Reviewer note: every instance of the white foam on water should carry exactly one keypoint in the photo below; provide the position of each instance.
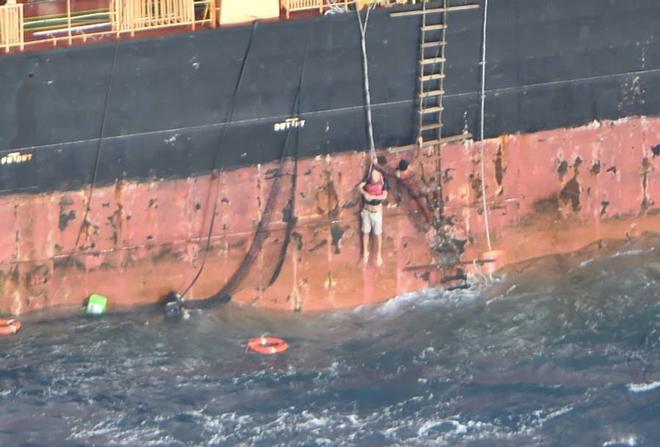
(630, 440)
(331, 426)
(586, 262)
(113, 434)
(310, 421)
(448, 431)
(429, 297)
(544, 417)
(426, 427)
(643, 387)
(428, 351)
(627, 253)
(405, 300)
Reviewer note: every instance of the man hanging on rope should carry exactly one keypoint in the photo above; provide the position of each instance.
(374, 191)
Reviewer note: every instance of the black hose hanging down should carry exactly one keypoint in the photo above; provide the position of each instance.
(215, 176)
(261, 234)
(291, 218)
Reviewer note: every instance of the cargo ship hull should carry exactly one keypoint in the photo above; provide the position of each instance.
(117, 156)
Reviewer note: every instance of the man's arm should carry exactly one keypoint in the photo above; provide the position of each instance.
(364, 193)
(381, 196)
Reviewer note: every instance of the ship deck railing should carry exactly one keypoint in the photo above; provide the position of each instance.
(44, 24)
(24, 25)
(11, 26)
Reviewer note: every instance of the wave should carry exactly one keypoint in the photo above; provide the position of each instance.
(627, 441)
(643, 387)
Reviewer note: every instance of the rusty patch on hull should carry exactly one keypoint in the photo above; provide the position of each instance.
(551, 192)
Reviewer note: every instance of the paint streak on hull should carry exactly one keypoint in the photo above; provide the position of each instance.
(548, 192)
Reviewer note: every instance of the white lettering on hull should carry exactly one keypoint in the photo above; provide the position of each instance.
(289, 123)
(15, 158)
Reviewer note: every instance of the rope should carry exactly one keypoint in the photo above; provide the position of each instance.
(97, 162)
(365, 65)
(228, 121)
(482, 125)
(292, 218)
(260, 234)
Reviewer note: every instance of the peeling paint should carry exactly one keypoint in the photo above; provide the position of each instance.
(570, 193)
(475, 185)
(298, 238)
(320, 244)
(327, 199)
(645, 172)
(603, 210)
(337, 233)
(65, 218)
(500, 170)
(562, 169)
(157, 249)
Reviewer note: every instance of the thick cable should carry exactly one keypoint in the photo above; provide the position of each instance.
(228, 121)
(260, 233)
(293, 219)
(225, 293)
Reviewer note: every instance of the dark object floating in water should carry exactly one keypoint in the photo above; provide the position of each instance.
(175, 307)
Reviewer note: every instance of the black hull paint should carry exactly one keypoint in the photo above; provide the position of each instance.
(551, 64)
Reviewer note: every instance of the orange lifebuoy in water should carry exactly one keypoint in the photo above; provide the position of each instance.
(268, 345)
(10, 327)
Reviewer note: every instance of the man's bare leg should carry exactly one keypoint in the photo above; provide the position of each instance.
(365, 247)
(379, 246)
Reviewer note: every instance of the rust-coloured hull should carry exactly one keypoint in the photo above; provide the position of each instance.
(549, 192)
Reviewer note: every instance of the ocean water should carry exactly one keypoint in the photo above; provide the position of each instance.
(564, 351)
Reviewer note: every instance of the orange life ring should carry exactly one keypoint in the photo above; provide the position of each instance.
(10, 327)
(268, 345)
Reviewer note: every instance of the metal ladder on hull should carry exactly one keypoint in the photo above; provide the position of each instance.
(432, 58)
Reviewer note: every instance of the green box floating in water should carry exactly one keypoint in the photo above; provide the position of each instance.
(97, 305)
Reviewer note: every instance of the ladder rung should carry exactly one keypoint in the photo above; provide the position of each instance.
(431, 93)
(433, 126)
(432, 77)
(435, 109)
(438, 43)
(430, 11)
(419, 12)
(445, 140)
(433, 27)
(432, 60)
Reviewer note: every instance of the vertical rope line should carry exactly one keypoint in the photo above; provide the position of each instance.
(482, 125)
(99, 148)
(365, 66)
(84, 223)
